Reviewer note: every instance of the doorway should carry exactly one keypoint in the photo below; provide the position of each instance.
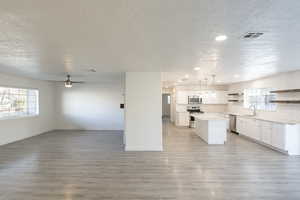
(166, 105)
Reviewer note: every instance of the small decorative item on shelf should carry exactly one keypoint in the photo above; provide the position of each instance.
(286, 101)
(286, 91)
(235, 100)
(235, 94)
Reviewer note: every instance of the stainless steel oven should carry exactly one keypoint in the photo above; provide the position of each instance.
(194, 100)
(232, 124)
(193, 110)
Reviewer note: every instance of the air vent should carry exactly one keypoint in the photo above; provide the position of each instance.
(92, 70)
(252, 35)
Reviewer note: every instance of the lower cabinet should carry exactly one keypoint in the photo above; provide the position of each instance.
(278, 136)
(254, 128)
(240, 125)
(285, 137)
(266, 132)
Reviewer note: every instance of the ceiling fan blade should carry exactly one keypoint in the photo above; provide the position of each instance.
(78, 82)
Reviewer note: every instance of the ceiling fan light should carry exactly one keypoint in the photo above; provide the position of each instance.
(68, 84)
(221, 38)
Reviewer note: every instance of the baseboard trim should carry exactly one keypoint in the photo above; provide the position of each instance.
(264, 144)
(88, 130)
(84, 130)
(26, 137)
(142, 148)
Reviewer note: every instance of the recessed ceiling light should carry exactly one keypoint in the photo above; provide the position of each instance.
(236, 76)
(196, 68)
(220, 38)
(186, 76)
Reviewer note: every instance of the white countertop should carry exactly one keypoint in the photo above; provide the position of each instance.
(282, 121)
(210, 116)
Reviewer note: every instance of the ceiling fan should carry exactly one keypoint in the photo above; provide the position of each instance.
(69, 83)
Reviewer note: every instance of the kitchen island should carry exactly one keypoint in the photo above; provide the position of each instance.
(211, 127)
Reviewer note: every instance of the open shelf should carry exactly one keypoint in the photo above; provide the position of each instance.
(235, 94)
(286, 91)
(286, 101)
(234, 100)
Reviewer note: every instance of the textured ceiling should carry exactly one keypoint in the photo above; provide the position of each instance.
(47, 39)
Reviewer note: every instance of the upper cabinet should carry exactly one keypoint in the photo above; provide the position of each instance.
(182, 97)
(222, 97)
(208, 97)
(214, 97)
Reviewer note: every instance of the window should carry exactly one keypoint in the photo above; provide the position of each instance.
(18, 102)
(169, 99)
(260, 98)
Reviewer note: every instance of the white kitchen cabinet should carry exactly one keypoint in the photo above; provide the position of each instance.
(208, 97)
(192, 93)
(255, 129)
(241, 126)
(221, 97)
(278, 136)
(246, 127)
(182, 118)
(212, 128)
(266, 132)
(285, 137)
(244, 130)
(214, 97)
(182, 97)
(249, 128)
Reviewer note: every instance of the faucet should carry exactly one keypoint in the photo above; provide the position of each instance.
(253, 107)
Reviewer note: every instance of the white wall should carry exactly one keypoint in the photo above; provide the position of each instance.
(290, 80)
(143, 111)
(90, 106)
(17, 129)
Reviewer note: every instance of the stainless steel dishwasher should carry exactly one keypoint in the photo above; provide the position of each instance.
(232, 123)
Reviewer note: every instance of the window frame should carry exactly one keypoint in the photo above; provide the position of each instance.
(23, 116)
(272, 107)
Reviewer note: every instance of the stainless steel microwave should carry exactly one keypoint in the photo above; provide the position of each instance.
(194, 100)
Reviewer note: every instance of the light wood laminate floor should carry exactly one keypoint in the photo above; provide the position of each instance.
(74, 165)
